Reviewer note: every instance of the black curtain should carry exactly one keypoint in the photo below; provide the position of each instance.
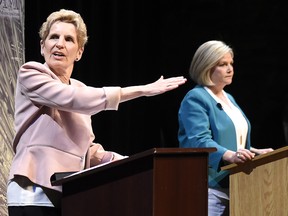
(133, 42)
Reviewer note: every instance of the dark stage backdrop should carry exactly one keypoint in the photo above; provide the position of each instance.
(134, 42)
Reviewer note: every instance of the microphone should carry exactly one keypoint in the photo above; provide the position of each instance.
(219, 106)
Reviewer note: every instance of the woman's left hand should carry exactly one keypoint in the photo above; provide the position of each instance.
(261, 151)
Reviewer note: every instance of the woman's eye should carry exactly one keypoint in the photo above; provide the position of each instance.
(69, 39)
(53, 37)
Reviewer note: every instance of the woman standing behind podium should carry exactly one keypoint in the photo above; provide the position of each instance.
(53, 117)
(210, 117)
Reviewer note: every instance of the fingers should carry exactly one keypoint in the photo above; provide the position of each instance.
(261, 151)
(267, 150)
(243, 155)
(172, 81)
(163, 85)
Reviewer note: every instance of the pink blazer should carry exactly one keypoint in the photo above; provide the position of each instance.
(53, 124)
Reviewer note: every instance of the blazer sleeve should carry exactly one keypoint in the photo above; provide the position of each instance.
(195, 119)
(43, 87)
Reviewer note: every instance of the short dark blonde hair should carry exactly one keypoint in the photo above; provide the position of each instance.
(205, 58)
(67, 16)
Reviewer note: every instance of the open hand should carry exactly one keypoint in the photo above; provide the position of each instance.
(163, 85)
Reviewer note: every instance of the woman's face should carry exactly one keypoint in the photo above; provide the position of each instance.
(222, 73)
(60, 49)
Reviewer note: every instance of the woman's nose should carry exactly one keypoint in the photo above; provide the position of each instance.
(230, 68)
(60, 43)
(59, 46)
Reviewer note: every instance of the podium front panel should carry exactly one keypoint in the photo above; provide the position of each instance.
(259, 187)
(157, 182)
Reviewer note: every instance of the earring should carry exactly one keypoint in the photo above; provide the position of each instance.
(76, 59)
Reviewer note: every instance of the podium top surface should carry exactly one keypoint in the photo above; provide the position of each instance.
(62, 177)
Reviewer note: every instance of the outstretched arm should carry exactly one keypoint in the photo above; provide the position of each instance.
(158, 87)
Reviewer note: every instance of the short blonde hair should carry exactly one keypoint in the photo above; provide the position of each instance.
(67, 16)
(205, 58)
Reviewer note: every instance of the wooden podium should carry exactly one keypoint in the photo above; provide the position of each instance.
(156, 182)
(260, 187)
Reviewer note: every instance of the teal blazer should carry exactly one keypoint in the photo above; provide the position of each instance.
(204, 124)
